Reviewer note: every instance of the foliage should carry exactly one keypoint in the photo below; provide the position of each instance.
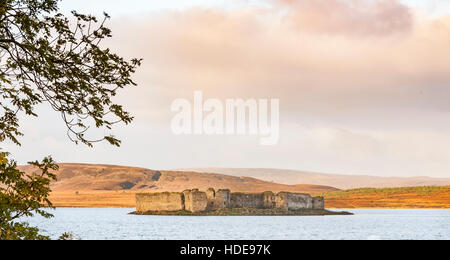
(66, 236)
(48, 58)
(22, 194)
(45, 59)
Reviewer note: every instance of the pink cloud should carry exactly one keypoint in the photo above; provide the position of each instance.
(352, 17)
(255, 52)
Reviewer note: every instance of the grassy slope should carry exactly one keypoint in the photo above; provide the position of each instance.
(410, 197)
(93, 199)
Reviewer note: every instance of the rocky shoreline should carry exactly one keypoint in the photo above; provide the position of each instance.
(247, 212)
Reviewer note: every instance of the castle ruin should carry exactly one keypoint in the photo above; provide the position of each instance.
(197, 201)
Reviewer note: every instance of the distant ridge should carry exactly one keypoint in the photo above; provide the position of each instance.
(292, 177)
(90, 177)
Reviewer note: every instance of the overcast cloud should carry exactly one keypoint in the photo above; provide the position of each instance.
(363, 87)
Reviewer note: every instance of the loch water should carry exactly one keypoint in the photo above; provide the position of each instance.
(366, 224)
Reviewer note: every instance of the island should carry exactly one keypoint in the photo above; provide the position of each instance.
(225, 203)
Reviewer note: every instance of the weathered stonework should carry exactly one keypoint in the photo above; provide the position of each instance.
(298, 201)
(195, 200)
(247, 200)
(269, 200)
(318, 203)
(166, 201)
(218, 200)
(281, 200)
(211, 196)
(211, 200)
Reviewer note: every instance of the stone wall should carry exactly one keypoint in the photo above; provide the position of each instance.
(294, 201)
(211, 196)
(318, 203)
(269, 200)
(280, 200)
(218, 200)
(166, 201)
(299, 201)
(247, 200)
(197, 201)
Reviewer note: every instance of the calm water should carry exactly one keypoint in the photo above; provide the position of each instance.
(366, 224)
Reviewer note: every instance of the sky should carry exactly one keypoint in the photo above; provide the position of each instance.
(362, 84)
(132, 7)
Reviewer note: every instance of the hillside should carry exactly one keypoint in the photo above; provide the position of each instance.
(108, 186)
(84, 185)
(85, 177)
(409, 197)
(343, 182)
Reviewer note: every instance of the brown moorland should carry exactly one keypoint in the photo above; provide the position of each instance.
(429, 197)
